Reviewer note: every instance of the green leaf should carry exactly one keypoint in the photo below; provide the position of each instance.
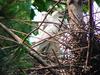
(40, 5)
(98, 2)
(85, 8)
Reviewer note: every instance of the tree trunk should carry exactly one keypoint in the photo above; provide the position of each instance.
(77, 27)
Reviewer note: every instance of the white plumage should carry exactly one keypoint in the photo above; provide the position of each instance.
(96, 11)
(46, 29)
(51, 29)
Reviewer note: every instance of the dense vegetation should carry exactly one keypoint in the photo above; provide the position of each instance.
(15, 19)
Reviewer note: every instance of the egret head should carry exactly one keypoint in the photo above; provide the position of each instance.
(56, 14)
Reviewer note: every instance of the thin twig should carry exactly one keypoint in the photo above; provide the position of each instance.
(23, 33)
(8, 39)
(54, 67)
(11, 33)
(3, 48)
(34, 54)
(42, 21)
